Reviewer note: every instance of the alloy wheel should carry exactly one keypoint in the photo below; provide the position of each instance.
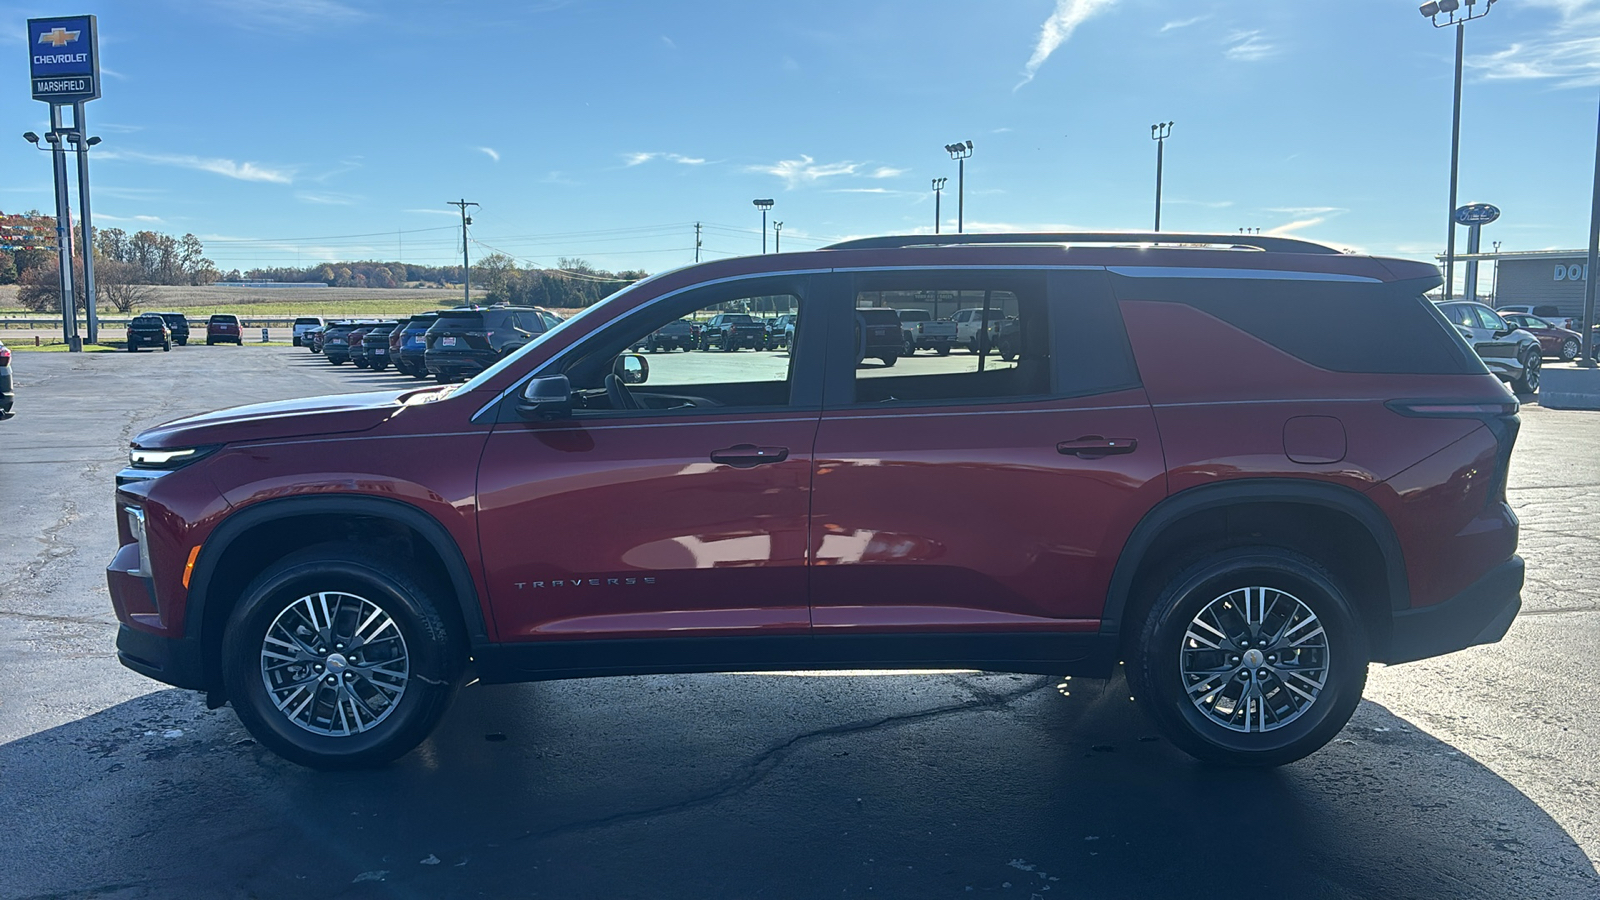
(1254, 659)
(334, 663)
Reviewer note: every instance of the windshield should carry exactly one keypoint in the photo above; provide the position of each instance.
(584, 315)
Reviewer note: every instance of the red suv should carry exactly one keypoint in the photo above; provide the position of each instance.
(1246, 537)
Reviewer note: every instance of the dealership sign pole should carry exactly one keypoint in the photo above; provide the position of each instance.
(1591, 272)
(64, 70)
(1474, 216)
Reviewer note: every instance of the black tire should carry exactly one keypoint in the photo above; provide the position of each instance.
(166, 347)
(183, 342)
(888, 360)
(1531, 366)
(132, 348)
(1159, 640)
(433, 653)
(943, 349)
(908, 347)
(1569, 350)
(650, 347)
(419, 374)
(209, 342)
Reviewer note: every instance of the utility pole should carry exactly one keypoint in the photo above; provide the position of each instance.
(466, 266)
(697, 242)
(1494, 286)
(777, 237)
(1159, 133)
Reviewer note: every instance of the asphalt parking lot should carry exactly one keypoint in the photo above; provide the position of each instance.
(1474, 775)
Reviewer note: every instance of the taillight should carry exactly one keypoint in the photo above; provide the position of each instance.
(1498, 414)
(5, 357)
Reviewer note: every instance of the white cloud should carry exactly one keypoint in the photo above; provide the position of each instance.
(805, 170)
(1567, 52)
(668, 41)
(634, 159)
(1183, 23)
(326, 198)
(999, 131)
(432, 212)
(243, 171)
(1057, 29)
(491, 153)
(1248, 46)
(290, 15)
(1307, 210)
(111, 218)
(1288, 229)
(887, 172)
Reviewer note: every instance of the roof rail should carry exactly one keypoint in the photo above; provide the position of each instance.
(1238, 241)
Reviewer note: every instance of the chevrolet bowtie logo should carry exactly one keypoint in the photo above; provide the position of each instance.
(59, 38)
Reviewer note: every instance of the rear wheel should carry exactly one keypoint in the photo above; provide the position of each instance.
(338, 657)
(944, 349)
(1251, 656)
(1529, 382)
(166, 346)
(908, 347)
(888, 360)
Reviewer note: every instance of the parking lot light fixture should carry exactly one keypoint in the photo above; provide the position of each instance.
(763, 205)
(938, 193)
(1159, 133)
(777, 237)
(1431, 11)
(960, 151)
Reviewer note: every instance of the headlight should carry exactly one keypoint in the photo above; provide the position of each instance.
(140, 458)
(137, 530)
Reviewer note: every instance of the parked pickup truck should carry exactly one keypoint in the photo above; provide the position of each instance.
(677, 335)
(968, 322)
(921, 331)
(731, 331)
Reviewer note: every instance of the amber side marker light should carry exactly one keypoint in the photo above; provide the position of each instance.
(188, 567)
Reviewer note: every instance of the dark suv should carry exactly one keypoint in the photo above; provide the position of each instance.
(223, 329)
(463, 342)
(178, 324)
(412, 345)
(1245, 538)
(336, 341)
(148, 330)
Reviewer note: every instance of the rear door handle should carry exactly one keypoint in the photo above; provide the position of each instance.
(748, 456)
(1093, 446)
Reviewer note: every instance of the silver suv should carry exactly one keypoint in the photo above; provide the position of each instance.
(1508, 351)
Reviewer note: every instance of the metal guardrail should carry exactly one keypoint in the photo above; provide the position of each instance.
(122, 321)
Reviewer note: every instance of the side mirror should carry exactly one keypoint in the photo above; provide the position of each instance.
(631, 368)
(1504, 332)
(549, 397)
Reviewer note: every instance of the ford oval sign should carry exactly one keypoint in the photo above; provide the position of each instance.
(1477, 214)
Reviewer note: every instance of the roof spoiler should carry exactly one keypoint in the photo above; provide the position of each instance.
(1165, 238)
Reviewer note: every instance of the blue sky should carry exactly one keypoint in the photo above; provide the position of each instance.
(302, 130)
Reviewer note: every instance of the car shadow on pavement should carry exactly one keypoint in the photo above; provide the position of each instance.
(804, 785)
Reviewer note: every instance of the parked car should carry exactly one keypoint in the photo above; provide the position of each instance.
(356, 344)
(464, 342)
(178, 324)
(676, 335)
(1512, 354)
(304, 324)
(1547, 311)
(335, 342)
(376, 345)
(970, 323)
(1244, 538)
(733, 331)
(311, 338)
(413, 346)
(921, 331)
(878, 335)
(1562, 343)
(779, 330)
(223, 329)
(148, 330)
(8, 394)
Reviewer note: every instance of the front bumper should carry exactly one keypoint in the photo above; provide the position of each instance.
(1481, 614)
(174, 661)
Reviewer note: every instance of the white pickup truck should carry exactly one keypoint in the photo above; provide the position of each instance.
(969, 322)
(921, 331)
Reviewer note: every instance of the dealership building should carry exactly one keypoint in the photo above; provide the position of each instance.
(1554, 277)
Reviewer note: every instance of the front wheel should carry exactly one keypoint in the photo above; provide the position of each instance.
(166, 347)
(1569, 350)
(338, 657)
(1251, 657)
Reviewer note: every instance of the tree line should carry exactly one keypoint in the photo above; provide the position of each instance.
(574, 284)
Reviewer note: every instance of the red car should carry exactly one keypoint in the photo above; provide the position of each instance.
(1246, 537)
(1554, 340)
(222, 329)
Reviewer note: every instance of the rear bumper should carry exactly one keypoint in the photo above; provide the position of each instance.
(1481, 614)
(469, 362)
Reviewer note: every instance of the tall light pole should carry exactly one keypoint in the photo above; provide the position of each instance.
(1431, 10)
(763, 205)
(960, 151)
(1159, 133)
(777, 237)
(1592, 270)
(466, 265)
(1494, 286)
(83, 143)
(58, 159)
(938, 192)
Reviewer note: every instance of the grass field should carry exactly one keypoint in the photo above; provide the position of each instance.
(326, 302)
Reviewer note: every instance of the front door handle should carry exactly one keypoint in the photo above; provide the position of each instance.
(1093, 446)
(748, 456)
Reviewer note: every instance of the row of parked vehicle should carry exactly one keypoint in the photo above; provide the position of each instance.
(160, 330)
(1514, 340)
(446, 344)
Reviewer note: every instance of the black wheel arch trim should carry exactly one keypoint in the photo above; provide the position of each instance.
(222, 537)
(1253, 490)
